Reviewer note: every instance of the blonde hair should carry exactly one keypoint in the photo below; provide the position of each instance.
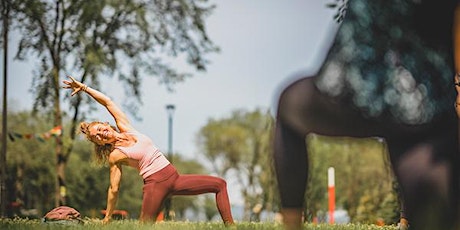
(102, 151)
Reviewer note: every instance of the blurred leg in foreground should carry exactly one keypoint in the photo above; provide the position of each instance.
(424, 157)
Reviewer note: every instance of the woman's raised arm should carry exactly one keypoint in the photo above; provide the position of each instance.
(120, 117)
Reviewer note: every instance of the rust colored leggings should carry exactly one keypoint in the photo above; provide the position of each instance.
(166, 182)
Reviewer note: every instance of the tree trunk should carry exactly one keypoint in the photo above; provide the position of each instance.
(3, 195)
(61, 159)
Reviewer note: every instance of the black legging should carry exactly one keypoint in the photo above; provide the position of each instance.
(424, 157)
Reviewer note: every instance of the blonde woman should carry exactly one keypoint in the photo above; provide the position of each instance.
(123, 145)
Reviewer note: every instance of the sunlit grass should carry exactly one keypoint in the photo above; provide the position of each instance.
(20, 224)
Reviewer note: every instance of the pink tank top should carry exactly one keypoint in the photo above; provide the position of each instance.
(150, 158)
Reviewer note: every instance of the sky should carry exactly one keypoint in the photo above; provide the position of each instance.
(264, 45)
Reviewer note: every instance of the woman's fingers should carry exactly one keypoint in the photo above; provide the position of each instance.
(72, 84)
(71, 80)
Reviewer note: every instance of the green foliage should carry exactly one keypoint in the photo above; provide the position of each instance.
(364, 180)
(122, 38)
(30, 163)
(210, 209)
(240, 144)
(118, 38)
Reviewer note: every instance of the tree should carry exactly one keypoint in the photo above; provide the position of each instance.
(5, 15)
(104, 38)
(240, 146)
(364, 180)
(30, 172)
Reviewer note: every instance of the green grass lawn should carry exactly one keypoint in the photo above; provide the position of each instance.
(24, 224)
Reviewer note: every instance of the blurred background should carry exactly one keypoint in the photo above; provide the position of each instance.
(200, 78)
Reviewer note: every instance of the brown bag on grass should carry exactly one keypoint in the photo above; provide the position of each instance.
(62, 214)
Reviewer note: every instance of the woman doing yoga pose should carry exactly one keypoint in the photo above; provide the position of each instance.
(127, 146)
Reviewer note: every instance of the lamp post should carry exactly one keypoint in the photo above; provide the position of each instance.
(170, 110)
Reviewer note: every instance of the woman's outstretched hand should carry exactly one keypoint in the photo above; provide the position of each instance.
(75, 85)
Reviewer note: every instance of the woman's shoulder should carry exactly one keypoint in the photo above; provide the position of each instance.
(137, 135)
(116, 156)
(132, 132)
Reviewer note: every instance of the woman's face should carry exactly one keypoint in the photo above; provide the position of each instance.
(101, 134)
